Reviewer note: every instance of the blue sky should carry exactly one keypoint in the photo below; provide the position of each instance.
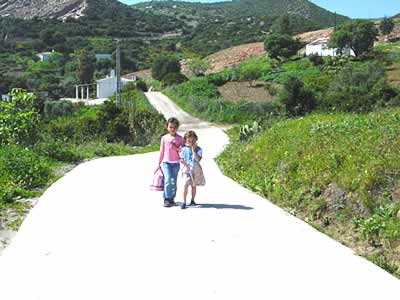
(351, 8)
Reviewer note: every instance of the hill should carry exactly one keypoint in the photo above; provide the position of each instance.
(91, 17)
(215, 26)
(41, 8)
(198, 12)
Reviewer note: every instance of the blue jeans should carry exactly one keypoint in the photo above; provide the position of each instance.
(170, 176)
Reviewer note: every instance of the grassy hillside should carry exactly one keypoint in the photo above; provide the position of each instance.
(340, 173)
(196, 12)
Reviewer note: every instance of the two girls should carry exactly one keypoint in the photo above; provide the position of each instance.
(173, 150)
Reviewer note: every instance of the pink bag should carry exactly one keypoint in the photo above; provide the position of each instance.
(158, 180)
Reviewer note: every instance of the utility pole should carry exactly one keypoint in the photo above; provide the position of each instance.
(335, 22)
(118, 71)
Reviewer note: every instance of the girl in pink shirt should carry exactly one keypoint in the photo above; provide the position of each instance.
(170, 146)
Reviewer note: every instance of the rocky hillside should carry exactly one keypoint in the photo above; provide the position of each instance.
(28, 9)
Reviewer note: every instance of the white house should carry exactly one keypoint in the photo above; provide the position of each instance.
(101, 56)
(44, 56)
(107, 87)
(320, 47)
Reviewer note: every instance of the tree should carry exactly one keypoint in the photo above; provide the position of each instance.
(386, 26)
(281, 45)
(164, 65)
(358, 35)
(86, 66)
(297, 99)
(48, 37)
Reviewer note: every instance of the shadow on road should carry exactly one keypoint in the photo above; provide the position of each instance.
(224, 206)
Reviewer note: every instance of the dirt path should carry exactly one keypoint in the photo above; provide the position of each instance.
(99, 233)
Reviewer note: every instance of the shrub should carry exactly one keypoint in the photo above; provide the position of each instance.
(117, 130)
(129, 86)
(358, 88)
(146, 127)
(297, 99)
(58, 150)
(18, 119)
(383, 223)
(141, 85)
(23, 167)
(53, 109)
(77, 128)
(316, 59)
(173, 78)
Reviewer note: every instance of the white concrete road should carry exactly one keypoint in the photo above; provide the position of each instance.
(100, 233)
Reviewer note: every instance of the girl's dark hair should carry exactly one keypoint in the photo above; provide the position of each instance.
(191, 134)
(173, 121)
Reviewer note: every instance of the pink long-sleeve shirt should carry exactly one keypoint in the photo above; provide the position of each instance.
(170, 147)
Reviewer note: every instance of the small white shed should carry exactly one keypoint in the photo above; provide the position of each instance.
(320, 47)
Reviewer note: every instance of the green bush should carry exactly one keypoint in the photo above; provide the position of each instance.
(18, 119)
(117, 129)
(146, 127)
(358, 88)
(383, 223)
(53, 109)
(130, 86)
(136, 124)
(316, 59)
(141, 85)
(77, 128)
(173, 78)
(297, 99)
(23, 167)
(58, 150)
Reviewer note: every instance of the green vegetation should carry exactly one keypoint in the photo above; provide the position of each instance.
(330, 170)
(297, 99)
(200, 97)
(34, 145)
(359, 88)
(281, 45)
(194, 12)
(211, 27)
(358, 35)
